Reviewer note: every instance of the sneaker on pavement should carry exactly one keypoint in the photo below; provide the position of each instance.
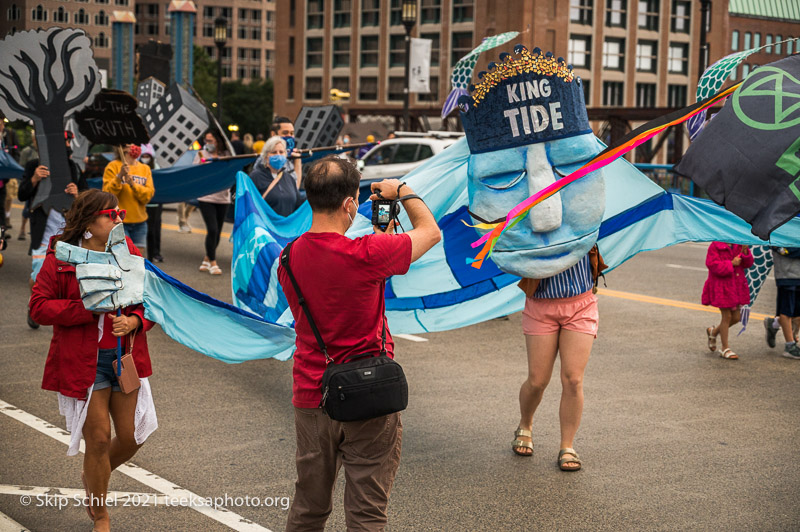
(792, 352)
(184, 228)
(771, 331)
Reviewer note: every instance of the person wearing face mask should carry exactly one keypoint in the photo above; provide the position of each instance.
(343, 280)
(284, 128)
(213, 206)
(45, 224)
(80, 362)
(273, 180)
(132, 183)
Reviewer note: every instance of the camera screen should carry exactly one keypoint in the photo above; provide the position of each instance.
(384, 214)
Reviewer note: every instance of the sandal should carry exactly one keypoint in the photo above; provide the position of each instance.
(517, 443)
(204, 266)
(563, 461)
(729, 354)
(88, 504)
(712, 340)
(215, 270)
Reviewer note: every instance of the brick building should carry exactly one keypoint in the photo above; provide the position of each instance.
(94, 17)
(637, 57)
(250, 50)
(249, 53)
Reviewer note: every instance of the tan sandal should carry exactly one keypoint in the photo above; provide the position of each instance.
(712, 340)
(563, 461)
(517, 443)
(729, 354)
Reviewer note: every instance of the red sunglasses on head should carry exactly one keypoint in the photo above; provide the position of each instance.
(114, 214)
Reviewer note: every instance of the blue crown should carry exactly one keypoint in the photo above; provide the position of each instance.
(533, 98)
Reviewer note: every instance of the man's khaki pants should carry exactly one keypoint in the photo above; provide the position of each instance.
(370, 452)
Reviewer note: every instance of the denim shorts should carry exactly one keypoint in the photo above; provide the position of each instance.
(106, 376)
(137, 233)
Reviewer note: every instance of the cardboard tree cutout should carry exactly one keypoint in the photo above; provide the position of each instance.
(46, 76)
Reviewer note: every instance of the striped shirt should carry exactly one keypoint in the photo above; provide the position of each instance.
(569, 283)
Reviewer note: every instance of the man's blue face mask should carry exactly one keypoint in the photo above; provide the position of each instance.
(557, 232)
(290, 144)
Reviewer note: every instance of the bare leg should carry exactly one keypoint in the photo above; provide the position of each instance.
(96, 466)
(722, 328)
(736, 317)
(123, 446)
(575, 349)
(541, 357)
(786, 327)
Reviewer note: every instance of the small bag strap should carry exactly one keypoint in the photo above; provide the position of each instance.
(302, 301)
(272, 185)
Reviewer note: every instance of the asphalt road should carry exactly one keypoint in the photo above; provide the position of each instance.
(673, 437)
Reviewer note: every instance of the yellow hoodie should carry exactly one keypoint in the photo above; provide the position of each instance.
(132, 198)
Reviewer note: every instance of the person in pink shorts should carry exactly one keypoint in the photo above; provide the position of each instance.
(560, 317)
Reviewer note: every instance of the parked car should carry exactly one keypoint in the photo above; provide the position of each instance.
(394, 158)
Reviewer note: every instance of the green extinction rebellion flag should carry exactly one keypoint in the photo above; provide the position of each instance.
(748, 157)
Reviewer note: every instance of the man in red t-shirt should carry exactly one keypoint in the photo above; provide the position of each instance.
(343, 281)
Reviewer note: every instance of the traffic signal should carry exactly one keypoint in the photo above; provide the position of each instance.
(337, 95)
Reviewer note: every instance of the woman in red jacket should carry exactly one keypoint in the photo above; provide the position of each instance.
(79, 364)
(726, 288)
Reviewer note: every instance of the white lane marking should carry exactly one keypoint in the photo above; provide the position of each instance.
(410, 337)
(681, 267)
(161, 485)
(9, 525)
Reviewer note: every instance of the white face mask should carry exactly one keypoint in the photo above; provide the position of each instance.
(352, 220)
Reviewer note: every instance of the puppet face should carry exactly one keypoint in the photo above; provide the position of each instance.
(558, 232)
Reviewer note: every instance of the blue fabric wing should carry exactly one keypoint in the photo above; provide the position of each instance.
(186, 182)
(9, 168)
(441, 291)
(209, 326)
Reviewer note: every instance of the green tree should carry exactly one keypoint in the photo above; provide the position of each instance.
(205, 76)
(248, 105)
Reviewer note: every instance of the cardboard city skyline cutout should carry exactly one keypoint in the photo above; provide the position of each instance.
(45, 76)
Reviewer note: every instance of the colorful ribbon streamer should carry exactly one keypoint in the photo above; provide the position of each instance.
(633, 139)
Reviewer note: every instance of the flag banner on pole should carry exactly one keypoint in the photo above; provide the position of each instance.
(419, 76)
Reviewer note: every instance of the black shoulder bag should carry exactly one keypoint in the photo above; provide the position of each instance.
(365, 386)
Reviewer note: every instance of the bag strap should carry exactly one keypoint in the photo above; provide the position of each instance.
(272, 185)
(302, 301)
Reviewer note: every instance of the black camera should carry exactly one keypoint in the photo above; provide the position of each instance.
(384, 211)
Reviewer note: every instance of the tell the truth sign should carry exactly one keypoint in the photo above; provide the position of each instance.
(112, 119)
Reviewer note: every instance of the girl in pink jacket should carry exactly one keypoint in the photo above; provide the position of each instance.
(726, 288)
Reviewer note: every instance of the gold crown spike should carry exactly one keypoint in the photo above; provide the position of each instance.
(528, 62)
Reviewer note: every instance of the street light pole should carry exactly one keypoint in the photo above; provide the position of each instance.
(220, 38)
(409, 17)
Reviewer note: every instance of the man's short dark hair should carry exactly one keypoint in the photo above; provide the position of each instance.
(329, 182)
(276, 124)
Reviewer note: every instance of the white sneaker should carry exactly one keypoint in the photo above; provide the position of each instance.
(184, 228)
